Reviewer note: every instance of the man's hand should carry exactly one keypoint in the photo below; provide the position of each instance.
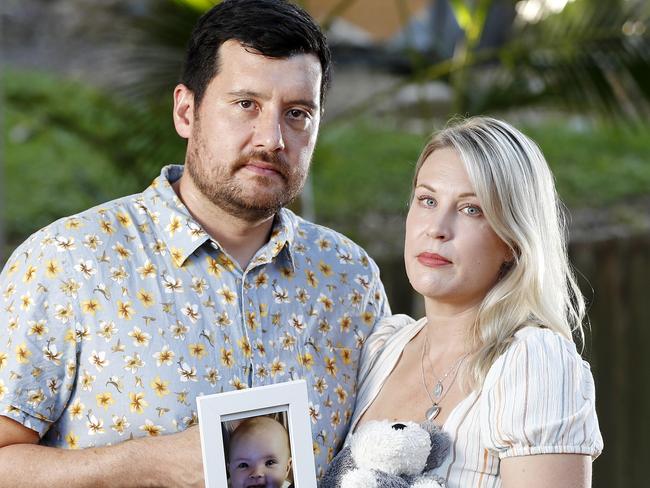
(169, 461)
(181, 455)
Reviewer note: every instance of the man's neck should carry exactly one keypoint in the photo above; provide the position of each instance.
(241, 239)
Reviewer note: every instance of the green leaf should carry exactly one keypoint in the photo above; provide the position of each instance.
(199, 5)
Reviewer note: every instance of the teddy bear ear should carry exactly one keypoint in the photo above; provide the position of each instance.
(440, 444)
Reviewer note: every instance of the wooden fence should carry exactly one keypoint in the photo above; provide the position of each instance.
(619, 352)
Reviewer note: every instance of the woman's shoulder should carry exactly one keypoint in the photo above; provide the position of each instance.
(541, 334)
(387, 340)
(534, 350)
(541, 353)
(389, 326)
(537, 343)
(387, 331)
(549, 343)
(539, 398)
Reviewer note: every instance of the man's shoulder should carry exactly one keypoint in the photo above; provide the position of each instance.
(85, 220)
(70, 233)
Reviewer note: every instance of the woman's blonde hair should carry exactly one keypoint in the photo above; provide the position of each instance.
(517, 193)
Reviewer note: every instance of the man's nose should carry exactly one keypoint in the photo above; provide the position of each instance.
(268, 131)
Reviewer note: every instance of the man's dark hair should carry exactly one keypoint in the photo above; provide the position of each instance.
(275, 28)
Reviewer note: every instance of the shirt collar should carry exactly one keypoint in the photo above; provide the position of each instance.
(175, 227)
(182, 235)
(282, 239)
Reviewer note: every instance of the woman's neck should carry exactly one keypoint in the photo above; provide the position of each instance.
(448, 328)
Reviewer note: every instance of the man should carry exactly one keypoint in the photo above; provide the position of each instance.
(114, 320)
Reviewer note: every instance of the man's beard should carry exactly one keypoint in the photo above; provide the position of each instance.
(218, 183)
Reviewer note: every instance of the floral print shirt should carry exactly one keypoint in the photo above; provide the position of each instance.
(114, 320)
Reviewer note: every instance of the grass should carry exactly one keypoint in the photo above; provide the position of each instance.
(596, 166)
(363, 167)
(68, 147)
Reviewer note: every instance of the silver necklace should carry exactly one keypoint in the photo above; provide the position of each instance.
(439, 391)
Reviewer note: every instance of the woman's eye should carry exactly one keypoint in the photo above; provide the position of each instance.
(472, 210)
(427, 201)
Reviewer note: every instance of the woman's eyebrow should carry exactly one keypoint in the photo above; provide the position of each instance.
(428, 187)
(433, 190)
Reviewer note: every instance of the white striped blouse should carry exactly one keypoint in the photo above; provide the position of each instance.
(538, 398)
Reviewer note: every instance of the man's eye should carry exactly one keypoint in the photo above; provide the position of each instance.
(246, 104)
(297, 114)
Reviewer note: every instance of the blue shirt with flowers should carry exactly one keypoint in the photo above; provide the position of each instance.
(114, 320)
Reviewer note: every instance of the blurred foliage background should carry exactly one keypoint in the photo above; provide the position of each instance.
(86, 117)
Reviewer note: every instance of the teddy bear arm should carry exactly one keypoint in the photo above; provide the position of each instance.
(341, 464)
(359, 478)
(426, 480)
(426, 483)
(386, 480)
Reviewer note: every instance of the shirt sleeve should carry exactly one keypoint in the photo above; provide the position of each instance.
(378, 300)
(37, 334)
(539, 398)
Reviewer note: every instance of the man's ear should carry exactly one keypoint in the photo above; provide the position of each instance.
(183, 111)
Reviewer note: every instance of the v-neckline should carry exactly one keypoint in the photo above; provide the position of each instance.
(444, 427)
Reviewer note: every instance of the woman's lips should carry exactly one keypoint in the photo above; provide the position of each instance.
(432, 260)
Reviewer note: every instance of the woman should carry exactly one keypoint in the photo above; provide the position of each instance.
(493, 361)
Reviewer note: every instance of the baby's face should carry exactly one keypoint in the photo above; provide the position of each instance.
(259, 459)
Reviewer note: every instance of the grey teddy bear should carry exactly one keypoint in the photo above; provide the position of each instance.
(384, 454)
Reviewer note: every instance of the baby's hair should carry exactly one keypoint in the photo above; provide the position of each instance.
(251, 423)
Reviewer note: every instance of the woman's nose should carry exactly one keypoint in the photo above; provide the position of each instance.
(440, 227)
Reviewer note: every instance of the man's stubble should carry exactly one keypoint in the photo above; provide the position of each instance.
(218, 181)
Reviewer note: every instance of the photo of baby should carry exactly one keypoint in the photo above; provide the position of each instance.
(258, 437)
(259, 453)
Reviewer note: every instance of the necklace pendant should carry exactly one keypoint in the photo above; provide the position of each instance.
(437, 390)
(433, 412)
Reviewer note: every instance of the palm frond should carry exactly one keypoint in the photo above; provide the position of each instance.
(153, 47)
(593, 57)
(586, 58)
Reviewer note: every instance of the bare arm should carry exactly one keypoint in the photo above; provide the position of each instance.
(168, 461)
(544, 470)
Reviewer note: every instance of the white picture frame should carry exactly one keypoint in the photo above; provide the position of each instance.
(290, 397)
